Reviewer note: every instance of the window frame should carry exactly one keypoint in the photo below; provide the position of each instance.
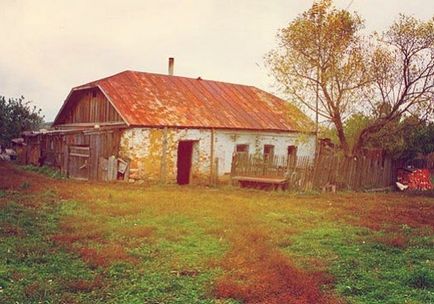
(270, 154)
(246, 146)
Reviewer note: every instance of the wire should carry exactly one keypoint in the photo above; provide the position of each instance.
(348, 6)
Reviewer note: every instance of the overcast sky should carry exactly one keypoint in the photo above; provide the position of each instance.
(48, 47)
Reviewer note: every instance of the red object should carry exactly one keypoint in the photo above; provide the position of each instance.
(418, 179)
(151, 100)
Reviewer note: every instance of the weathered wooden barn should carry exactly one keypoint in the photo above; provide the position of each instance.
(144, 126)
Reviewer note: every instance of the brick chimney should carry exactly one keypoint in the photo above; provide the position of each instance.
(171, 65)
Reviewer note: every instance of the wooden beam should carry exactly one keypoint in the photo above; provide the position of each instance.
(211, 162)
(261, 179)
(92, 124)
(163, 165)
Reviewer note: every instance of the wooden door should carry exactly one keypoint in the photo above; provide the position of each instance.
(78, 162)
(185, 154)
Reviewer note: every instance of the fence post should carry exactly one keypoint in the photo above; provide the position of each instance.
(216, 171)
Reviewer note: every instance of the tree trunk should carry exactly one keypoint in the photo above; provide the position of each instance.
(341, 135)
(364, 135)
(360, 141)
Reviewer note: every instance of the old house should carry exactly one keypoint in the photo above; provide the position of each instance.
(169, 128)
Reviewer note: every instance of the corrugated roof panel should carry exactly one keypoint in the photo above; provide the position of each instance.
(146, 99)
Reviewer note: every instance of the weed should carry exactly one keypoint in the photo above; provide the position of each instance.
(35, 292)
(135, 232)
(74, 229)
(8, 229)
(84, 285)
(45, 170)
(105, 255)
(393, 240)
(421, 279)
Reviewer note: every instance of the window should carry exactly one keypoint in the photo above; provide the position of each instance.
(292, 150)
(94, 93)
(268, 151)
(242, 149)
(292, 156)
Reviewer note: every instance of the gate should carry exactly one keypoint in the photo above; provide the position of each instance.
(78, 162)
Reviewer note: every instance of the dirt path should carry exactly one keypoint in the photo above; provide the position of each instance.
(12, 178)
(255, 271)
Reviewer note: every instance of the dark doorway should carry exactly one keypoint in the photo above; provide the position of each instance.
(292, 156)
(185, 153)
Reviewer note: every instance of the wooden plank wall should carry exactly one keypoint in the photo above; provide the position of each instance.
(88, 106)
(54, 148)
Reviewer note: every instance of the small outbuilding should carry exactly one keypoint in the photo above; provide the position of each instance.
(145, 126)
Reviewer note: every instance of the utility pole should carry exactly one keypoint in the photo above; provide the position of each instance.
(316, 110)
(317, 82)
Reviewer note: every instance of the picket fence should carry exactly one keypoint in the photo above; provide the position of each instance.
(304, 173)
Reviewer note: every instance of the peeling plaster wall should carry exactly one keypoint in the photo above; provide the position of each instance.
(226, 142)
(144, 148)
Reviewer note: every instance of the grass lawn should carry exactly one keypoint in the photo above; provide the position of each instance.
(65, 241)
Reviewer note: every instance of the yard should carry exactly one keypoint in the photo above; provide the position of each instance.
(64, 241)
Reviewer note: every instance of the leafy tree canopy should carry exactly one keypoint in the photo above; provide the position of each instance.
(17, 115)
(324, 63)
(401, 139)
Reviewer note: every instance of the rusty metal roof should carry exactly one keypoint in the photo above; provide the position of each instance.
(147, 99)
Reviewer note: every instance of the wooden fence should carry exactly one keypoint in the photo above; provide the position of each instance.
(304, 173)
(356, 173)
(249, 165)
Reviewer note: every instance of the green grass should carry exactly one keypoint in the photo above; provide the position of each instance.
(45, 170)
(176, 241)
(367, 271)
(32, 269)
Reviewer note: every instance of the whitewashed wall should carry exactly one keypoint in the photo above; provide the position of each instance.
(226, 142)
(143, 146)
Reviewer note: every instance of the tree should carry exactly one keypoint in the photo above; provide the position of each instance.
(352, 127)
(320, 58)
(393, 137)
(400, 139)
(17, 115)
(402, 69)
(422, 139)
(323, 56)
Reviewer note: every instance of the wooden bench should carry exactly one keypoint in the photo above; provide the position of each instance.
(261, 182)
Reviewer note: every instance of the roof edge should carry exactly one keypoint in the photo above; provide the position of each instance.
(82, 88)
(221, 128)
(113, 105)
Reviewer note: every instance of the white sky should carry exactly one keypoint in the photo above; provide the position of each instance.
(48, 47)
